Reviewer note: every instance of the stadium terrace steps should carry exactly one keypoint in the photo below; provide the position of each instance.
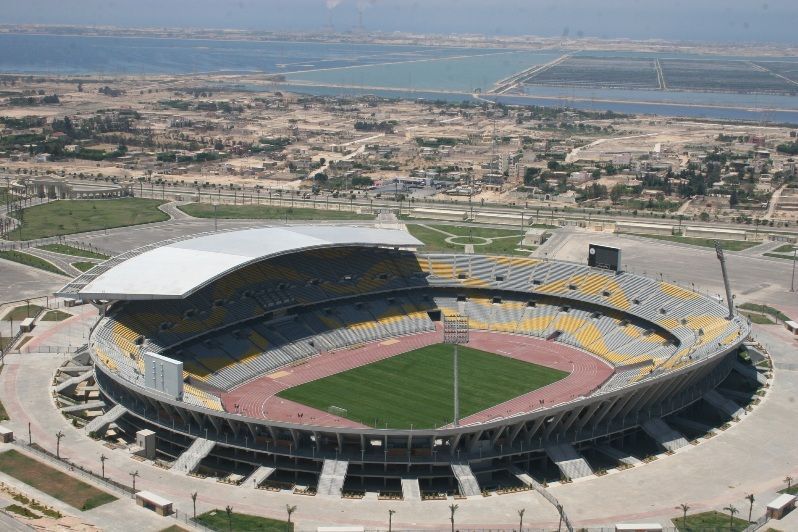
(75, 369)
(331, 479)
(749, 372)
(100, 423)
(191, 457)
(727, 406)
(469, 487)
(69, 385)
(258, 476)
(664, 435)
(618, 454)
(410, 489)
(568, 460)
(91, 405)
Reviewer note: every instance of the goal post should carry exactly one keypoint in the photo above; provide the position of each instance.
(337, 410)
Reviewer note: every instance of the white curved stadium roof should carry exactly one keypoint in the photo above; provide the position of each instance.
(177, 270)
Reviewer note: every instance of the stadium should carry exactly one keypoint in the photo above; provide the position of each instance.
(323, 357)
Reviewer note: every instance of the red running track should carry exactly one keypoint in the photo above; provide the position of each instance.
(258, 399)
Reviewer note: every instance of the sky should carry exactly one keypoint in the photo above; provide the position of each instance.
(773, 21)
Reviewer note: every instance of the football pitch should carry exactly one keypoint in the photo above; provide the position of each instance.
(415, 388)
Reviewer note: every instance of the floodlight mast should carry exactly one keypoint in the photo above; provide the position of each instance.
(455, 331)
(722, 259)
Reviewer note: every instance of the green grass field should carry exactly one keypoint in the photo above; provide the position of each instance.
(504, 242)
(765, 309)
(66, 217)
(706, 521)
(84, 266)
(52, 481)
(64, 249)
(265, 212)
(21, 312)
(728, 245)
(415, 388)
(30, 260)
(218, 520)
(56, 315)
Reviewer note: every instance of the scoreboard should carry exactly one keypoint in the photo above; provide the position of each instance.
(605, 257)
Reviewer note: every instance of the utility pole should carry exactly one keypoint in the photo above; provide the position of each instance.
(722, 259)
(792, 283)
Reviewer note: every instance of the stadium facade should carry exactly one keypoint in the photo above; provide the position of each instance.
(236, 306)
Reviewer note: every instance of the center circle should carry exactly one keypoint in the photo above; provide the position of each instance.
(463, 240)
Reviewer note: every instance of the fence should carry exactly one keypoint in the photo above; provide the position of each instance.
(756, 525)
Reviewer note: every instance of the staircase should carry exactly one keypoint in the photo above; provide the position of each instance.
(100, 423)
(258, 476)
(617, 454)
(727, 406)
(568, 460)
(331, 480)
(191, 457)
(469, 487)
(664, 435)
(410, 489)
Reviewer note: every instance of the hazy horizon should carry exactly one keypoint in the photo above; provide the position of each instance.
(728, 21)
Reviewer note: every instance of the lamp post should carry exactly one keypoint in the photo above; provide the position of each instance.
(455, 331)
(792, 282)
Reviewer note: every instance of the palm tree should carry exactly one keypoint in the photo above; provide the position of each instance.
(751, 500)
(133, 475)
(390, 518)
(103, 458)
(788, 480)
(521, 516)
(229, 510)
(732, 510)
(684, 508)
(194, 500)
(289, 510)
(453, 508)
(58, 436)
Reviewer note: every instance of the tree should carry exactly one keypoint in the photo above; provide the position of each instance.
(553, 165)
(751, 500)
(133, 475)
(453, 508)
(521, 516)
(684, 508)
(58, 436)
(704, 216)
(732, 510)
(290, 510)
(103, 458)
(788, 480)
(194, 501)
(733, 199)
(390, 518)
(229, 511)
(616, 193)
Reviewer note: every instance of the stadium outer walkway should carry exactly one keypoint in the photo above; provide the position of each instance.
(586, 372)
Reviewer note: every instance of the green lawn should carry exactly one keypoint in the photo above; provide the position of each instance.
(505, 243)
(779, 256)
(792, 490)
(21, 312)
(56, 315)
(66, 217)
(710, 521)
(415, 388)
(52, 481)
(757, 318)
(786, 248)
(205, 210)
(728, 245)
(84, 266)
(30, 260)
(217, 520)
(71, 250)
(776, 313)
